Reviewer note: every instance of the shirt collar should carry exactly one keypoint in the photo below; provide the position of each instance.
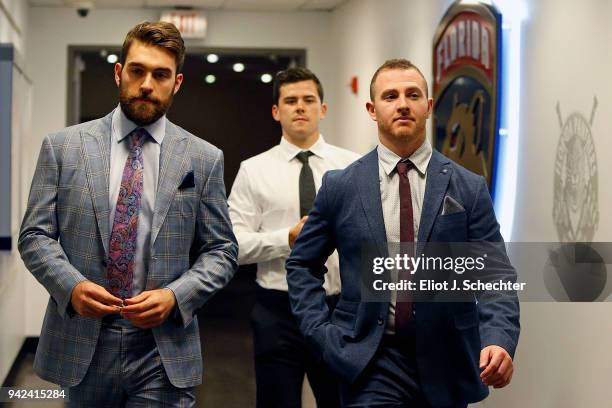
(289, 150)
(122, 127)
(420, 158)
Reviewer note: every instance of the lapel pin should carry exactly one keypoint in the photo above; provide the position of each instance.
(444, 171)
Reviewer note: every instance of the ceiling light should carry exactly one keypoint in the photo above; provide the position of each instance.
(210, 79)
(212, 58)
(112, 58)
(238, 67)
(266, 78)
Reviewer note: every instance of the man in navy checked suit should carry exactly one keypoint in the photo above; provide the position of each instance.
(120, 326)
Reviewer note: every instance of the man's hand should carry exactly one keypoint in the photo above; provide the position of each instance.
(295, 231)
(497, 366)
(91, 300)
(150, 308)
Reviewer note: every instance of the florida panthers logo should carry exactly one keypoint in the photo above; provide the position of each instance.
(466, 83)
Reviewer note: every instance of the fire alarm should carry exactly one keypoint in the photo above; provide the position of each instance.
(354, 85)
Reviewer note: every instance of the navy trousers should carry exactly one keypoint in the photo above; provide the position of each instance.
(391, 380)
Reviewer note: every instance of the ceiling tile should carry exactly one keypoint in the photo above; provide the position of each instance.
(46, 3)
(252, 5)
(209, 4)
(263, 5)
(119, 3)
(322, 4)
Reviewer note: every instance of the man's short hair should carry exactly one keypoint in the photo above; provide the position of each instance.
(293, 75)
(397, 63)
(159, 34)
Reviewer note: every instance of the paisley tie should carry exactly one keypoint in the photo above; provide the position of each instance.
(120, 272)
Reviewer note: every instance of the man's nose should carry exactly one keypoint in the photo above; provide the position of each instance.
(402, 104)
(147, 83)
(300, 106)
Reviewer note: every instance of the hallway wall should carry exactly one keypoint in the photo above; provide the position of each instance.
(365, 34)
(12, 272)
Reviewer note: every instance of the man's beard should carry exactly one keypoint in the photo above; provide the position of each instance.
(140, 112)
(398, 133)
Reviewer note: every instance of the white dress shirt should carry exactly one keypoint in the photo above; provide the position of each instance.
(265, 203)
(389, 195)
(121, 128)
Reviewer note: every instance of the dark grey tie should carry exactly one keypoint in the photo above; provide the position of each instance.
(307, 185)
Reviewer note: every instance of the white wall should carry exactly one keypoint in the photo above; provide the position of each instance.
(365, 34)
(564, 358)
(18, 11)
(12, 271)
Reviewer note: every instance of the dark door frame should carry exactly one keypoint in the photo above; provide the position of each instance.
(299, 54)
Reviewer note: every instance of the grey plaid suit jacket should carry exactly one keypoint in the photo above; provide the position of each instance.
(64, 240)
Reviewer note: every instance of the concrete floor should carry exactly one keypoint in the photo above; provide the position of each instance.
(229, 379)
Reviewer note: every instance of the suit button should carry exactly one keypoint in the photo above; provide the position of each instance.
(380, 321)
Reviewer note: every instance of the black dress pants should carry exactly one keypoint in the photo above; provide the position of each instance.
(282, 357)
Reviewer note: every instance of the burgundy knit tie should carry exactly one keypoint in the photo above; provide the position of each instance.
(403, 306)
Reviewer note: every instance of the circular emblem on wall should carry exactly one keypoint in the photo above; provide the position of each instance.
(575, 207)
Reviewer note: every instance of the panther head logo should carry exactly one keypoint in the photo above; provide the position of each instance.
(464, 140)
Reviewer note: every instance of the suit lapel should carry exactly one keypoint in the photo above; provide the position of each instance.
(172, 165)
(438, 175)
(369, 192)
(96, 154)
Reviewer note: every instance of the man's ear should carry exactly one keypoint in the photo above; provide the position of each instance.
(177, 82)
(323, 110)
(429, 107)
(275, 113)
(118, 69)
(371, 110)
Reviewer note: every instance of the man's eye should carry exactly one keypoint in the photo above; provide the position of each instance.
(161, 75)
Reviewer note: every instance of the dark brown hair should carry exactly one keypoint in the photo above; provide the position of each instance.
(159, 34)
(398, 63)
(292, 75)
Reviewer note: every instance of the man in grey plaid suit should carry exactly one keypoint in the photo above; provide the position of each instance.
(128, 230)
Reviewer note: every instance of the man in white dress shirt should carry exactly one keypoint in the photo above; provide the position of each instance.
(269, 203)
